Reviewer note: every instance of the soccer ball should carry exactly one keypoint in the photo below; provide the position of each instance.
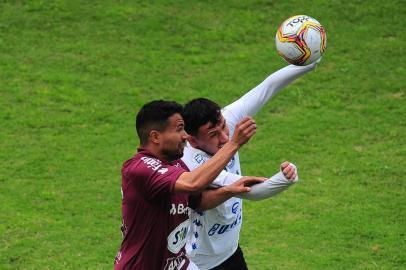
(301, 40)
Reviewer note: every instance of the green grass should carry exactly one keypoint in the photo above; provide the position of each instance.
(73, 74)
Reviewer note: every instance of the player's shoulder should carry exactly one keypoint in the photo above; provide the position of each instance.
(194, 157)
(147, 166)
(179, 163)
(141, 165)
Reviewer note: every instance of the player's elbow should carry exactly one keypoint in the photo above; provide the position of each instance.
(188, 185)
(193, 187)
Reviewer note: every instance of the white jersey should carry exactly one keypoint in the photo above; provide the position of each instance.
(214, 234)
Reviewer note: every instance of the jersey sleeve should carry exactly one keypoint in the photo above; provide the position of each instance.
(271, 187)
(224, 179)
(256, 98)
(162, 181)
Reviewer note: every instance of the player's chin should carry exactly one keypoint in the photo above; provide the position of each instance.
(181, 148)
(178, 154)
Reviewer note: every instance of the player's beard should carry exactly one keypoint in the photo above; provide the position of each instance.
(173, 154)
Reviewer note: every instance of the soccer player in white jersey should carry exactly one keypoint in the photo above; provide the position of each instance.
(214, 234)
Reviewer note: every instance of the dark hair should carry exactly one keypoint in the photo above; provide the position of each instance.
(199, 112)
(154, 115)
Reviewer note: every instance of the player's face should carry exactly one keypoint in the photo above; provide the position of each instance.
(210, 138)
(173, 138)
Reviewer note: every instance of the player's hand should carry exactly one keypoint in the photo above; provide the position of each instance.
(289, 170)
(243, 184)
(244, 130)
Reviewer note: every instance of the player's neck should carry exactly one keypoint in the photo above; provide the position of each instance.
(154, 151)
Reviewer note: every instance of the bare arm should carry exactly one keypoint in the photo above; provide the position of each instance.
(200, 178)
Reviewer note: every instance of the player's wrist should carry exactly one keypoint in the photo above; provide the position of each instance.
(232, 145)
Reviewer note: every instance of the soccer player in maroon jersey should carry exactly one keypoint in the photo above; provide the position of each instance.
(158, 190)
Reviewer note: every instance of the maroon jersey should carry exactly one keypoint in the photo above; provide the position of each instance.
(155, 219)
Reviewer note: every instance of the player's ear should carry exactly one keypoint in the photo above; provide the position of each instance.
(193, 141)
(155, 136)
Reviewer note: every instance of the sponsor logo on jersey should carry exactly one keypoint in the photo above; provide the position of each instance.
(218, 229)
(177, 238)
(234, 208)
(200, 158)
(179, 209)
(177, 165)
(231, 163)
(175, 263)
(152, 163)
(162, 170)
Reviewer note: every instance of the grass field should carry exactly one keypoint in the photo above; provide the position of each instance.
(73, 74)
